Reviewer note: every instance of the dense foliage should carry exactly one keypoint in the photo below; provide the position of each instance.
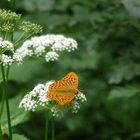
(107, 62)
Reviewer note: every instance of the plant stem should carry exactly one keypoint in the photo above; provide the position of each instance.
(6, 99)
(13, 4)
(5, 72)
(0, 133)
(52, 118)
(53, 128)
(2, 103)
(8, 116)
(47, 124)
(22, 39)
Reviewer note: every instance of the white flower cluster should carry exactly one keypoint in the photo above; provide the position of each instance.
(75, 105)
(6, 60)
(38, 97)
(56, 111)
(6, 45)
(47, 46)
(51, 56)
(80, 96)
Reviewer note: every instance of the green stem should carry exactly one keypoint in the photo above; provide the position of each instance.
(2, 103)
(8, 117)
(53, 128)
(47, 124)
(6, 99)
(22, 39)
(0, 133)
(3, 93)
(19, 39)
(5, 35)
(52, 118)
(13, 4)
(7, 72)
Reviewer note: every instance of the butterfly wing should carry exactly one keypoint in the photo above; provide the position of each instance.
(61, 97)
(69, 82)
(63, 91)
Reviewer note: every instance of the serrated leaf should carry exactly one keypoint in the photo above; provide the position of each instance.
(19, 137)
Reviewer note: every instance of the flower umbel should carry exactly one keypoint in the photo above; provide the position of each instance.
(47, 46)
(6, 45)
(51, 56)
(9, 15)
(38, 97)
(27, 27)
(8, 20)
(6, 60)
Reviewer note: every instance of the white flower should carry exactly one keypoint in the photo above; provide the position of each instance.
(21, 53)
(51, 56)
(80, 96)
(36, 97)
(6, 60)
(27, 44)
(70, 44)
(39, 50)
(58, 46)
(56, 112)
(75, 107)
(17, 57)
(45, 44)
(7, 45)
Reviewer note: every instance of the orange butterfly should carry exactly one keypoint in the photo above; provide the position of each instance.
(64, 90)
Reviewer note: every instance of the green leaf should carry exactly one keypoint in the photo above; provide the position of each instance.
(73, 124)
(122, 72)
(19, 137)
(17, 115)
(40, 5)
(24, 72)
(133, 6)
(124, 92)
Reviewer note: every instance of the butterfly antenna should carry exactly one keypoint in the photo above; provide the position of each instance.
(79, 91)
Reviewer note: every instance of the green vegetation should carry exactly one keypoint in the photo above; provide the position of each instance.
(107, 62)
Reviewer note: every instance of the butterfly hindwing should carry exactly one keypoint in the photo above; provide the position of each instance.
(62, 98)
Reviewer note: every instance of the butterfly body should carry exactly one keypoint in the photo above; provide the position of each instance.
(64, 90)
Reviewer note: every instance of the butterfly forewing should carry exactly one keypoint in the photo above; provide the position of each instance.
(70, 81)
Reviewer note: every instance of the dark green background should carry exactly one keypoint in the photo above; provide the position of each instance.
(107, 62)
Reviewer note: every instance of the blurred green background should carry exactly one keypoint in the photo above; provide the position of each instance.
(107, 62)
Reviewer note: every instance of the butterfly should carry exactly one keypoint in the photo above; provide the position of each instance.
(64, 90)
